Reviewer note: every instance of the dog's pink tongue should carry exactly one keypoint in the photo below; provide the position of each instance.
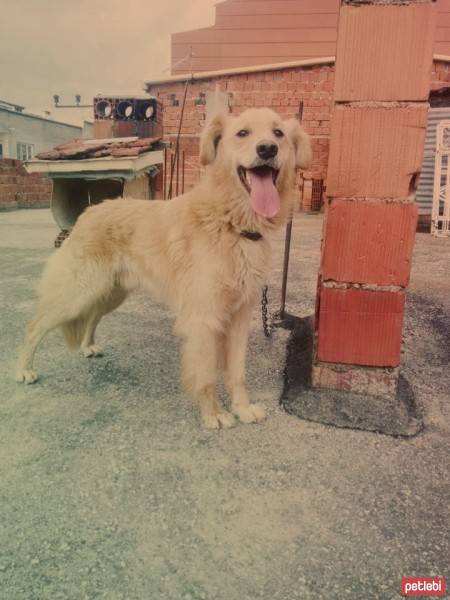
(264, 195)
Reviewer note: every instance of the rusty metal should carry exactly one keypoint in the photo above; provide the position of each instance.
(264, 314)
(183, 164)
(177, 143)
(177, 160)
(165, 175)
(171, 160)
(287, 250)
(174, 169)
(62, 235)
(316, 195)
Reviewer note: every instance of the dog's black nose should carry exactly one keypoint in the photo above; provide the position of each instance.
(266, 150)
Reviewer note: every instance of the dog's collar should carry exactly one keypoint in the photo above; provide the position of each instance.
(251, 235)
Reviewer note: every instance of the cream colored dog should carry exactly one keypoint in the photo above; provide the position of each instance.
(205, 254)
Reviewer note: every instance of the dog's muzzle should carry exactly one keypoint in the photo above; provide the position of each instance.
(260, 182)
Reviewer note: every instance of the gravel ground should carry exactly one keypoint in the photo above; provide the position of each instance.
(109, 488)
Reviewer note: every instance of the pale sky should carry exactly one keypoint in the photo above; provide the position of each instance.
(88, 47)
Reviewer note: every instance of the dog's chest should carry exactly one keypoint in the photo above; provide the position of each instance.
(249, 267)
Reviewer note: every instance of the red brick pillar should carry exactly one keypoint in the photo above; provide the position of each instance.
(382, 83)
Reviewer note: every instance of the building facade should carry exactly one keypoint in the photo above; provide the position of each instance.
(257, 32)
(24, 134)
(303, 90)
(275, 53)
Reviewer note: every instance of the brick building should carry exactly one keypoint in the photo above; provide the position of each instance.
(276, 53)
(19, 189)
(23, 135)
(257, 32)
(303, 89)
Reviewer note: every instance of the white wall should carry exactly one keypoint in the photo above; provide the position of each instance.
(44, 134)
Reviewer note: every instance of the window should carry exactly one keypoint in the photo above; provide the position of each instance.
(25, 151)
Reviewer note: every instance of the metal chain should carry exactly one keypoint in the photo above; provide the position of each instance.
(62, 235)
(264, 316)
(267, 319)
(269, 322)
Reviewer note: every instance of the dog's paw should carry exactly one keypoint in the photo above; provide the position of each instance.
(253, 413)
(26, 376)
(222, 420)
(92, 350)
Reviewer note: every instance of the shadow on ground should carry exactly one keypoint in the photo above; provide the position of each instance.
(399, 415)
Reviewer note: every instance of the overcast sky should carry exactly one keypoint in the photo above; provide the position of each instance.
(67, 47)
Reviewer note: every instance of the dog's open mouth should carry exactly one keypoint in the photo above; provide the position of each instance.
(260, 184)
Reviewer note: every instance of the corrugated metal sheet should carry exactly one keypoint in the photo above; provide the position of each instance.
(424, 196)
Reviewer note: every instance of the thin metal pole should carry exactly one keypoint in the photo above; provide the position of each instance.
(178, 172)
(165, 175)
(183, 157)
(177, 143)
(287, 250)
(172, 168)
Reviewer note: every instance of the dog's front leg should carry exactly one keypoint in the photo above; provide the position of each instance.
(200, 368)
(236, 350)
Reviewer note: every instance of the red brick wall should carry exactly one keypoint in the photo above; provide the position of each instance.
(282, 90)
(19, 189)
(440, 76)
(377, 141)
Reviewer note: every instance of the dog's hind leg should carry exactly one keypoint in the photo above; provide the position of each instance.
(88, 346)
(235, 351)
(200, 367)
(44, 321)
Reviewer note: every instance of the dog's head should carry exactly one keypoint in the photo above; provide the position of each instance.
(259, 151)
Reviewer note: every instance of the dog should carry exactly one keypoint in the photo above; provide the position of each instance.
(204, 253)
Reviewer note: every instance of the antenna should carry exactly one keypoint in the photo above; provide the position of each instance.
(190, 55)
(56, 99)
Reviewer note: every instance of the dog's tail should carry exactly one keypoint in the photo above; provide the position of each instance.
(73, 332)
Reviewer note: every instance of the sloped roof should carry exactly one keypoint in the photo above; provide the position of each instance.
(80, 149)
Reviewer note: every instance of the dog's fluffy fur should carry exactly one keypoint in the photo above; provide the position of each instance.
(188, 252)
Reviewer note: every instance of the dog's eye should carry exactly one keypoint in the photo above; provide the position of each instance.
(243, 133)
(278, 133)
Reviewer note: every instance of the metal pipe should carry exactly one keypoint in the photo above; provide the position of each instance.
(73, 106)
(183, 157)
(172, 168)
(177, 144)
(165, 175)
(178, 172)
(287, 249)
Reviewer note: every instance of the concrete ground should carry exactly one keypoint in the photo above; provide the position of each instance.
(110, 489)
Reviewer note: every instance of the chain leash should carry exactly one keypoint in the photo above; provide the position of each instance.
(267, 327)
(269, 320)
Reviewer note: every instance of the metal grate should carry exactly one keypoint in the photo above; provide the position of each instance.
(317, 195)
(440, 215)
(424, 194)
(173, 173)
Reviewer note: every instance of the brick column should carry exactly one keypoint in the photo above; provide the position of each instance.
(382, 82)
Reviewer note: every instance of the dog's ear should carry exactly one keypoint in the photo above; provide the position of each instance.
(301, 142)
(210, 139)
